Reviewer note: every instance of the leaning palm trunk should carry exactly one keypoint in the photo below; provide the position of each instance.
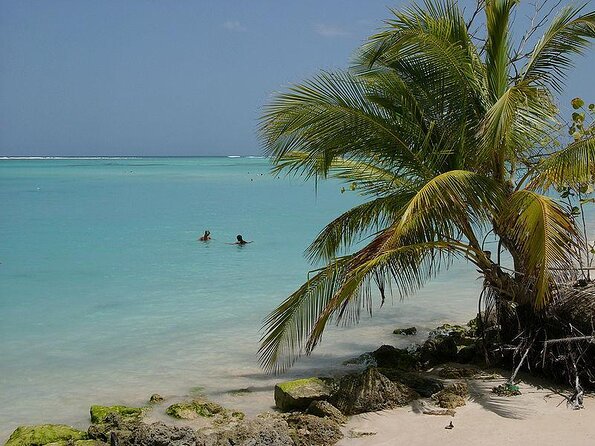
(451, 143)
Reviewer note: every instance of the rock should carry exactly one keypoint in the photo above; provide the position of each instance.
(298, 394)
(368, 392)
(452, 396)
(190, 410)
(310, 430)
(388, 356)
(324, 409)
(450, 372)
(261, 431)
(467, 354)
(449, 400)
(156, 398)
(98, 413)
(113, 427)
(424, 385)
(405, 331)
(365, 359)
(43, 434)
(439, 349)
(159, 434)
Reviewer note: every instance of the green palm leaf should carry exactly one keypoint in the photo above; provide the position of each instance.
(547, 240)
(571, 166)
(569, 34)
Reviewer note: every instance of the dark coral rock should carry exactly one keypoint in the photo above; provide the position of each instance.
(324, 409)
(424, 385)
(310, 430)
(368, 392)
(388, 356)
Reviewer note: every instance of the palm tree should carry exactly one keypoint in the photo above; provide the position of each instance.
(449, 136)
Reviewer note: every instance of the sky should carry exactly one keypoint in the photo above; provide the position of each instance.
(171, 77)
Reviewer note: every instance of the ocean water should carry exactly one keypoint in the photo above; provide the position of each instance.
(106, 296)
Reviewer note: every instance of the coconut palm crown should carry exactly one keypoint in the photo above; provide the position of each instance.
(449, 137)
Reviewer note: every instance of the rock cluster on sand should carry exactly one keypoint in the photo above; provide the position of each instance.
(313, 409)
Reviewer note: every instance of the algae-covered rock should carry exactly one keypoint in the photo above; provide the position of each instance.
(190, 410)
(324, 409)
(424, 385)
(298, 394)
(310, 430)
(43, 434)
(410, 331)
(453, 396)
(369, 391)
(388, 356)
(98, 413)
(113, 427)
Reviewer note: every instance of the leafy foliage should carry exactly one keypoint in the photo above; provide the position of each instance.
(449, 140)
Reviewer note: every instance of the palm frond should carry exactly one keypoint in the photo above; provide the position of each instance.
(342, 289)
(370, 175)
(331, 116)
(546, 239)
(365, 219)
(498, 46)
(569, 34)
(571, 166)
(446, 205)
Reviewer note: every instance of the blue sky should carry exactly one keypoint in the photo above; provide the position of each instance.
(169, 77)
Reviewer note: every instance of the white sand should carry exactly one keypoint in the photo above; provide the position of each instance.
(538, 417)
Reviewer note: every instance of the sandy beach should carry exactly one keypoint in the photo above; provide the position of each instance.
(538, 416)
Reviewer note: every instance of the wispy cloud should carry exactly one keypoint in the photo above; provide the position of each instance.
(235, 26)
(327, 30)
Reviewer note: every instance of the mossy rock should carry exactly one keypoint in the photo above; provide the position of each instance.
(98, 413)
(190, 410)
(43, 434)
(298, 394)
(453, 396)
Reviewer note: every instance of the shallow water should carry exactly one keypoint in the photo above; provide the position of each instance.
(106, 296)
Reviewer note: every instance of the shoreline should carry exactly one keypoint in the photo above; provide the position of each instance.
(502, 420)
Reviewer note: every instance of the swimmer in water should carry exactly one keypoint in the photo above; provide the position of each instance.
(206, 236)
(240, 241)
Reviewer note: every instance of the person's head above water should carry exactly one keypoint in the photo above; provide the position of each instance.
(239, 238)
(207, 233)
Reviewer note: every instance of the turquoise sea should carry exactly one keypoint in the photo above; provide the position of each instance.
(106, 296)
